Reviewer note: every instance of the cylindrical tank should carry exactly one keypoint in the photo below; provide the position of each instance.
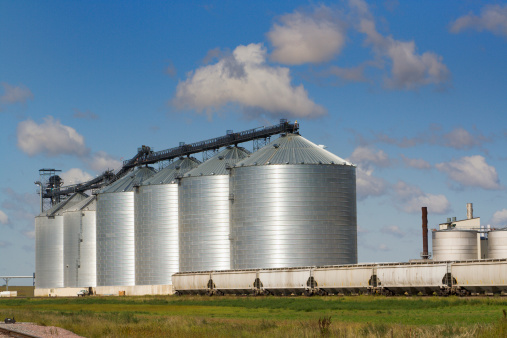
(156, 224)
(497, 244)
(49, 244)
(79, 244)
(454, 245)
(293, 203)
(204, 213)
(115, 230)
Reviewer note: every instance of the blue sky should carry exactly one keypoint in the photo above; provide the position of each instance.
(413, 92)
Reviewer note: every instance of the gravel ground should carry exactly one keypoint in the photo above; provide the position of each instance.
(39, 331)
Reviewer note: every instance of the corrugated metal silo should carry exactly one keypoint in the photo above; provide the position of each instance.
(156, 224)
(49, 244)
(79, 244)
(497, 244)
(115, 230)
(293, 204)
(204, 213)
(454, 245)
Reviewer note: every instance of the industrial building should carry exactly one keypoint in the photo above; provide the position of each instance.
(288, 204)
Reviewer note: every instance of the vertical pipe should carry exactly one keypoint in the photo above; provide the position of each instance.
(470, 211)
(425, 232)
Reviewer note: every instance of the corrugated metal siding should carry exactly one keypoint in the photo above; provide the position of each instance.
(293, 215)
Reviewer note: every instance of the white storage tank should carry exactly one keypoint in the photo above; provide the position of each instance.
(454, 245)
(293, 204)
(204, 213)
(49, 244)
(79, 247)
(156, 224)
(497, 243)
(115, 230)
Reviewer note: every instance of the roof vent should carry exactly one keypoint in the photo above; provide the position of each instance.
(220, 157)
(200, 174)
(276, 145)
(332, 162)
(212, 173)
(287, 162)
(320, 162)
(268, 162)
(177, 167)
(255, 163)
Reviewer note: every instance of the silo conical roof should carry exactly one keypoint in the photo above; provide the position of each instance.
(65, 205)
(218, 163)
(292, 149)
(86, 204)
(127, 182)
(169, 173)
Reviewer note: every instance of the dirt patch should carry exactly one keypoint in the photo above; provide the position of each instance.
(39, 330)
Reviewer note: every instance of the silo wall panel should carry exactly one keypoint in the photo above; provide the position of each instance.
(156, 234)
(204, 223)
(71, 243)
(49, 252)
(454, 245)
(497, 244)
(293, 215)
(115, 239)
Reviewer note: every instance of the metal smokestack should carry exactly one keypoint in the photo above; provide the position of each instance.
(425, 254)
(470, 211)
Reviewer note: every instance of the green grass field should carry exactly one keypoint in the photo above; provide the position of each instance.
(369, 316)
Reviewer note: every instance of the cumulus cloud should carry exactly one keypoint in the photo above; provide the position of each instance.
(411, 198)
(499, 218)
(84, 115)
(409, 69)
(493, 18)
(393, 230)
(102, 161)
(460, 138)
(245, 79)
(369, 185)
(367, 156)
(75, 176)
(471, 171)
(15, 94)
(4, 219)
(307, 38)
(50, 138)
(417, 163)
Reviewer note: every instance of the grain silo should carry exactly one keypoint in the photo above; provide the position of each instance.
(156, 224)
(497, 243)
(454, 245)
(292, 203)
(79, 244)
(115, 230)
(204, 213)
(49, 244)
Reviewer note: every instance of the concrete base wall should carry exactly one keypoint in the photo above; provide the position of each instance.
(137, 290)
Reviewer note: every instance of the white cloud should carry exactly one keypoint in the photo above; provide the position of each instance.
(460, 138)
(307, 38)
(366, 157)
(411, 198)
(393, 230)
(417, 163)
(409, 69)
(4, 219)
(50, 138)
(369, 185)
(499, 218)
(15, 94)
(493, 18)
(471, 171)
(245, 79)
(75, 176)
(101, 161)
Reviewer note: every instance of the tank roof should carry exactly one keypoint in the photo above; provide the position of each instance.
(217, 164)
(127, 182)
(173, 170)
(292, 149)
(65, 205)
(86, 204)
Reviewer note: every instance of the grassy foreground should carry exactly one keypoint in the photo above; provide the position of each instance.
(201, 316)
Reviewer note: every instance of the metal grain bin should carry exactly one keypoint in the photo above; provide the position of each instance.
(497, 244)
(293, 204)
(454, 245)
(156, 224)
(204, 213)
(79, 248)
(49, 244)
(115, 230)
